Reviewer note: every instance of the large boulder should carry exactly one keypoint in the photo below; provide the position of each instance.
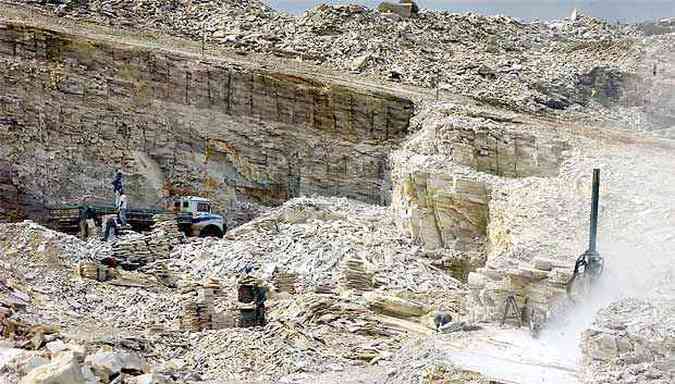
(150, 378)
(405, 8)
(63, 369)
(106, 364)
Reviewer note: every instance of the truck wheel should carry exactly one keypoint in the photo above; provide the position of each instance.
(211, 231)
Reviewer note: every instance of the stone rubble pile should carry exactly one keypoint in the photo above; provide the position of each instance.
(187, 328)
(632, 341)
(132, 250)
(306, 334)
(42, 263)
(497, 59)
(161, 272)
(190, 19)
(312, 237)
(73, 363)
(426, 360)
(41, 244)
(271, 352)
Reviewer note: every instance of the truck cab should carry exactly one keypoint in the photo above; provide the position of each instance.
(195, 217)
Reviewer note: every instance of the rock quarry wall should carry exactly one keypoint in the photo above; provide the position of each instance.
(444, 175)
(73, 108)
(491, 193)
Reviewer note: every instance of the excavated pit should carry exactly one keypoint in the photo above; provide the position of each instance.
(487, 196)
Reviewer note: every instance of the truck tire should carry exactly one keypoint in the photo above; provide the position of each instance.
(211, 231)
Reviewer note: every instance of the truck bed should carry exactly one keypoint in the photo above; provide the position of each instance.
(67, 218)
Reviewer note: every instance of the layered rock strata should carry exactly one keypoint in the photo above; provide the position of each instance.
(444, 175)
(486, 189)
(73, 108)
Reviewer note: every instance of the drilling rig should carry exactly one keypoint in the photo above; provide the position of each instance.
(587, 270)
(589, 266)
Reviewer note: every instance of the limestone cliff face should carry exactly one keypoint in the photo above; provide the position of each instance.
(72, 109)
(443, 178)
(479, 188)
(441, 210)
(497, 147)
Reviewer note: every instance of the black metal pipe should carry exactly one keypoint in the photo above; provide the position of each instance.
(593, 234)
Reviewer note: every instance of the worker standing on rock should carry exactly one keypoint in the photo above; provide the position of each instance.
(122, 208)
(118, 186)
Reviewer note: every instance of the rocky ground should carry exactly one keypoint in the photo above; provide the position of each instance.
(490, 188)
(496, 59)
(327, 322)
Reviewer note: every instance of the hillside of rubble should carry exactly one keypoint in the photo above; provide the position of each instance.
(375, 171)
(327, 95)
(495, 59)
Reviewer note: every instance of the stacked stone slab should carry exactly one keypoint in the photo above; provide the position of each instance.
(96, 271)
(164, 236)
(200, 314)
(196, 316)
(286, 282)
(355, 276)
(632, 341)
(131, 251)
(325, 288)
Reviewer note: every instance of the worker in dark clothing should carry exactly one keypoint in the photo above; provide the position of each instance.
(110, 226)
(441, 318)
(654, 69)
(260, 298)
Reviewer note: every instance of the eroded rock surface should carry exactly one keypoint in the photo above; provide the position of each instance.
(74, 108)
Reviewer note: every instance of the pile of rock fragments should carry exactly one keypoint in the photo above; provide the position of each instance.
(317, 239)
(633, 340)
(186, 330)
(497, 59)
